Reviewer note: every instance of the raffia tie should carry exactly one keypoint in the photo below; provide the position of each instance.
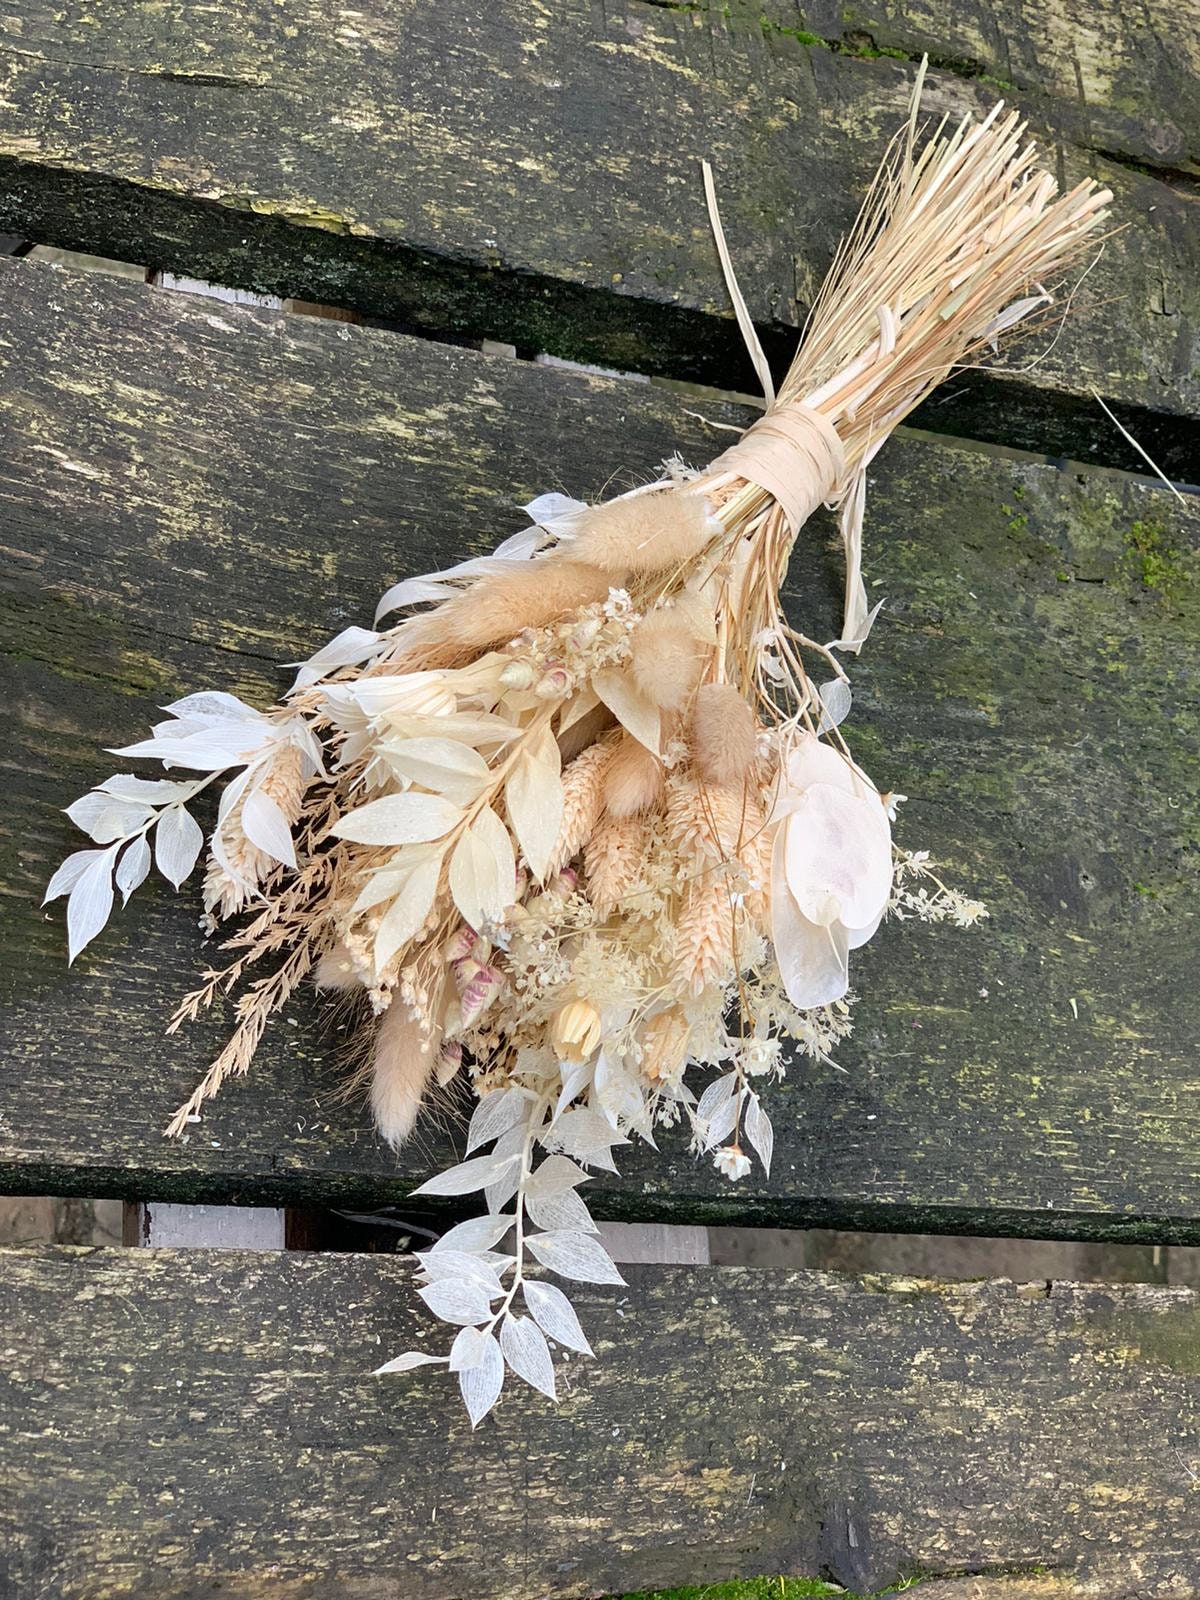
(794, 455)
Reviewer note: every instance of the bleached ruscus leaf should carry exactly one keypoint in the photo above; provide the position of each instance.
(523, 1345)
(575, 1255)
(555, 1315)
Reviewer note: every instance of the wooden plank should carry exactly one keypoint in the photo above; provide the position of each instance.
(175, 1421)
(1102, 74)
(531, 175)
(194, 492)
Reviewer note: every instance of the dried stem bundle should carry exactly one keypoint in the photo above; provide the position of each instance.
(587, 825)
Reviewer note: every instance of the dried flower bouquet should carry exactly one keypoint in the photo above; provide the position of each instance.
(584, 830)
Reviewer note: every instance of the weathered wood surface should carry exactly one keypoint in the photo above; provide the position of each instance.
(175, 1421)
(531, 173)
(1109, 76)
(194, 492)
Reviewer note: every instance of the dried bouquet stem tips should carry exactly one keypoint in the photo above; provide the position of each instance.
(584, 830)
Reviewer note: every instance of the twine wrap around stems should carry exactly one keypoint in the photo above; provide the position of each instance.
(795, 455)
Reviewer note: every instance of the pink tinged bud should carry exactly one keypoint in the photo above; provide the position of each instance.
(556, 682)
(449, 1061)
(479, 994)
(565, 882)
(459, 943)
(464, 973)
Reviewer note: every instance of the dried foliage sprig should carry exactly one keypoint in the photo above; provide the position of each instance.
(584, 829)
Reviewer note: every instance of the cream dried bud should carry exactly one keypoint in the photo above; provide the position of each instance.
(575, 1031)
(518, 675)
(664, 1049)
(585, 633)
(633, 779)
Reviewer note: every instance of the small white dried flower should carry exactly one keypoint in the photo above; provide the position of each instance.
(760, 1056)
(731, 1162)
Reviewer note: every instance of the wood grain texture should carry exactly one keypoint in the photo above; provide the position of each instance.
(187, 1423)
(192, 493)
(1105, 75)
(530, 173)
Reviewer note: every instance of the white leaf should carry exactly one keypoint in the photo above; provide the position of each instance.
(554, 1175)
(406, 915)
(495, 1114)
(150, 791)
(555, 1315)
(468, 727)
(482, 1383)
(477, 1233)
(177, 841)
(618, 1094)
(835, 700)
(469, 1349)
(70, 872)
(409, 1360)
(578, 706)
(719, 1126)
(133, 867)
(632, 709)
(483, 870)
(509, 1146)
(576, 1077)
(583, 1133)
(563, 1210)
(468, 1175)
(760, 1132)
(347, 649)
(458, 1264)
(715, 1096)
(555, 512)
(265, 825)
(457, 1300)
(399, 819)
(214, 705)
(383, 884)
(534, 797)
(447, 766)
(90, 903)
(107, 819)
(575, 1255)
(524, 1347)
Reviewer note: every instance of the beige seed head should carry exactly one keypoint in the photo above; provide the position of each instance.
(611, 859)
(654, 532)
(633, 778)
(668, 658)
(724, 735)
